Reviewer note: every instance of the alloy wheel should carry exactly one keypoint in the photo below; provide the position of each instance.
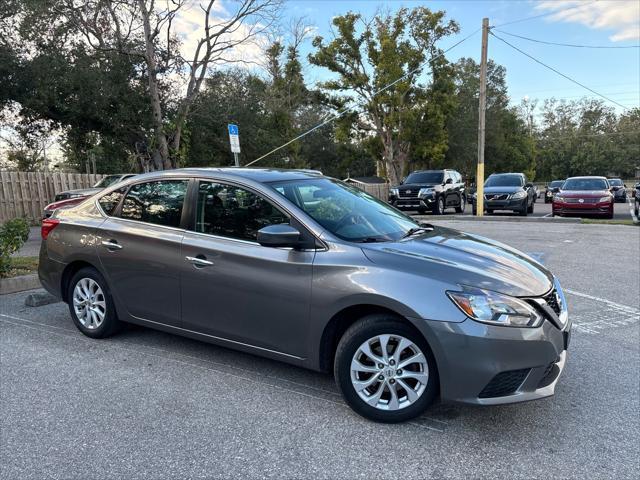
(89, 303)
(389, 372)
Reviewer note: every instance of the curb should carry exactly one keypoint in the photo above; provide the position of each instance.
(19, 284)
(472, 218)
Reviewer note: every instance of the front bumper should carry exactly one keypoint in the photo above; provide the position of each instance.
(414, 203)
(605, 208)
(490, 365)
(508, 204)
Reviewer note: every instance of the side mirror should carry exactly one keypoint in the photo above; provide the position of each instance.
(279, 236)
(555, 189)
(449, 180)
(528, 185)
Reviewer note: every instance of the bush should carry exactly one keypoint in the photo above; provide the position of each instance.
(13, 234)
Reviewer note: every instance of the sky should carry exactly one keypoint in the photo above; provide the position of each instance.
(614, 73)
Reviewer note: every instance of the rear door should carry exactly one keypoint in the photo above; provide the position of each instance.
(236, 289)
(139, 249)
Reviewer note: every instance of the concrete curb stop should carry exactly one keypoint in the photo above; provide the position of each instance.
(38, 299)
(19, 284)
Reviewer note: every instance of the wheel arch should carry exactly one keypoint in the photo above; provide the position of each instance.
(69, 271)
(342, 320)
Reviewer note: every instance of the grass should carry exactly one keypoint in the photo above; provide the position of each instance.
(22, 266)
(626, 221)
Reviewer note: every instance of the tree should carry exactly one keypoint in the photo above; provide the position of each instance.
(144, 29)
(369, 55)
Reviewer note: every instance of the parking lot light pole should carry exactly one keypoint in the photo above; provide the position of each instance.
(481, 119)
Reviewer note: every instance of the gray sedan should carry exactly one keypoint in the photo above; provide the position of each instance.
(302, 268)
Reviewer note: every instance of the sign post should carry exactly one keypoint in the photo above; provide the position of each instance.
(234, 140)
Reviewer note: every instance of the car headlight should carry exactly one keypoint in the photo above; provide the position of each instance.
(496, 309)
(519, 195)
(425, 191)
(549, 194)
(394, 192)
(605, 199)
(558, 198)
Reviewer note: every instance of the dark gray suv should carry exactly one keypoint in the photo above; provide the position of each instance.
(305, 269)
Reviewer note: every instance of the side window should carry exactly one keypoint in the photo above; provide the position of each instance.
(110, 201)
(155, 202)
(229, 211)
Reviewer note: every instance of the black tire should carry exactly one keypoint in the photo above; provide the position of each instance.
(422, 211)
(363, 330)
(489, 211)
(439, 206)
(474, 211)
(463, 203)
(530, 209)
(546, 200)
(636, 208)
(110, 324)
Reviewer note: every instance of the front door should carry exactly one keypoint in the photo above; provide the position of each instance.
(139, 250)
(236, 289)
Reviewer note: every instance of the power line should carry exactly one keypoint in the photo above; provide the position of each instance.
(347, 109)
(544, 14)
(567, 44)
(558, 72)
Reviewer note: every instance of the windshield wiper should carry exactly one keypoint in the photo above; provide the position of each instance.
(372, 240)
(422, 228)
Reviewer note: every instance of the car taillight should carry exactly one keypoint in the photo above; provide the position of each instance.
(48, 224)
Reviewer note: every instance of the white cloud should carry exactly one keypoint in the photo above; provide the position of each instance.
(620, 16)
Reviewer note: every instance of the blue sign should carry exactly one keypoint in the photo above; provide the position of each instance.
(233, 129)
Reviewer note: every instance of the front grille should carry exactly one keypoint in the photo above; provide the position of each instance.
(500, 196)
(504, 383)
(584, 200)
(552, 301)
(409, 193)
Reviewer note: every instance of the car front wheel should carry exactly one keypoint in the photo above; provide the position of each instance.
(385, 370)
(91, 305)
(463, 202)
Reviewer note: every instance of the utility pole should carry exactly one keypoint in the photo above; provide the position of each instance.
(481, 122)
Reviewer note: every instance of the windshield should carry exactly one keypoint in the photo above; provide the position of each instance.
(585, 184)
(345, 211)
(556, 184)
(504, 181)
(107, 181)
(615, 182)
(425, 177)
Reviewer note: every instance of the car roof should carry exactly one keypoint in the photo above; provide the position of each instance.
(587, 176)
(506, 173)
(261, 175)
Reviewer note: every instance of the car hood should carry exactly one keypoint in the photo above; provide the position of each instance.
(460, 258)
(502, 189)
(584, 193)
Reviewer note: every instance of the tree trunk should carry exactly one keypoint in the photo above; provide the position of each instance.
(162, 146)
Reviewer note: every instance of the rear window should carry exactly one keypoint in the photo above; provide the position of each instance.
(556, 184)
(158, 202)
(615, 182)
(110, 201)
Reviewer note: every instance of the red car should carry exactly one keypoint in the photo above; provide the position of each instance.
(584, 196)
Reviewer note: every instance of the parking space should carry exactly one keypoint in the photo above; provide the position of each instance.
(622, 211)
(145, 404)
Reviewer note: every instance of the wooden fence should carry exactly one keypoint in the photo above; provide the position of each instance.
(25, 194)
(378, 190)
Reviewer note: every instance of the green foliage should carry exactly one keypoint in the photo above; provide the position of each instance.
(13, 234)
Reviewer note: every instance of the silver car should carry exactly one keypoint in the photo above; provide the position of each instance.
(299, 267)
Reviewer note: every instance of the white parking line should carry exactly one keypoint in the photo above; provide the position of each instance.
(614, 305)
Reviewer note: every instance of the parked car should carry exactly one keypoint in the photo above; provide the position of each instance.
(306, 269)
(584, 196)
(87, 192)
(551, 189)
(434, 190)
(70, 198)
(507, 191)
(618, 189)
(61, 204)
(537, 193)
(636, 203)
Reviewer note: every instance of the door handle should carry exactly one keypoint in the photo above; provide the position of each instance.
(111, 245)
(199, 261)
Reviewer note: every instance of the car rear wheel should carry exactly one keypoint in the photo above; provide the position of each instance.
(531, 207)
(385, 370)
(91, 305)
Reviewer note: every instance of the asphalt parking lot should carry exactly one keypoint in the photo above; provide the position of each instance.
(145, 404)
(621, 211)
